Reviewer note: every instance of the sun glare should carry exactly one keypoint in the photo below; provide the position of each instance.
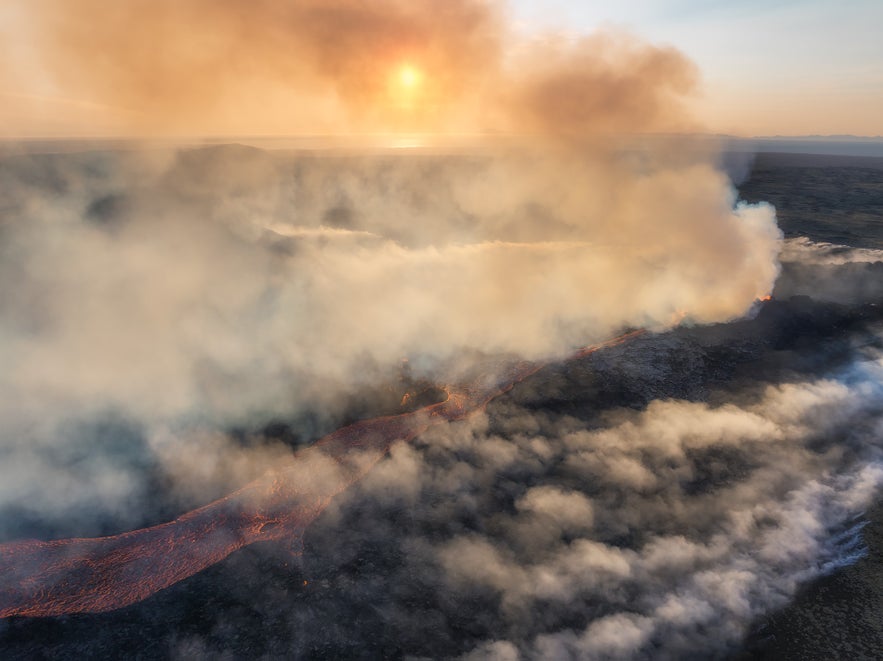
(409, 77)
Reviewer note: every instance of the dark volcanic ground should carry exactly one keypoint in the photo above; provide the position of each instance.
(838, 200)
(365, 588)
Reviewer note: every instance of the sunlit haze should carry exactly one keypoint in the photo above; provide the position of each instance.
(202, 68)
(409, 76)
(784, 67)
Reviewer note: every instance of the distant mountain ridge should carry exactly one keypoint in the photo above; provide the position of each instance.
(840, 145)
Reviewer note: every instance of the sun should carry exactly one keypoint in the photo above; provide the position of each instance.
(409, 76)
(409, 93)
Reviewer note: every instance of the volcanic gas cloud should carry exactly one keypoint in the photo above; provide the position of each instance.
(184, 290)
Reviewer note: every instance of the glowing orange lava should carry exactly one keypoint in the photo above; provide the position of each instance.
(78, 575)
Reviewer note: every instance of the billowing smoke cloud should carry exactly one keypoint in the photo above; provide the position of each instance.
(191, 291)
(173, 303)
(239, 272)
(229, 271)
(231, 286)
(305, 65)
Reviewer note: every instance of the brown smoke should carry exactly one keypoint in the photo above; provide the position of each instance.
(603, 83)
(205, 66)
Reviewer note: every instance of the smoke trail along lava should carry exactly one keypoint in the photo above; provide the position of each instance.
(94, 575)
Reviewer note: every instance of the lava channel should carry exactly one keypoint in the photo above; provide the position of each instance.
(96, 575)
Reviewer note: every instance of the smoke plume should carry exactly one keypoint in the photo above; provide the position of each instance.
(162, 308)
(234, 285)
(186, 291)
(201, 67)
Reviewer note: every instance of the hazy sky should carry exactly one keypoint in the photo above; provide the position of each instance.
(768, 66)
(789, 67)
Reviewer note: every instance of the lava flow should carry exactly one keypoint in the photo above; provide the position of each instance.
(46, 578)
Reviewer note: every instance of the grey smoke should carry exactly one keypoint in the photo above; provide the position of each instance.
(668, 530)
(190, 291)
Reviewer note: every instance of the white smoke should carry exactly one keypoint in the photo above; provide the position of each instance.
(677, 527)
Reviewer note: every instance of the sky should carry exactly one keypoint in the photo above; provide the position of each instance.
(786, 67)
(792, 67)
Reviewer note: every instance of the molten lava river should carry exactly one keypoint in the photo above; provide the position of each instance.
(93, 575)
